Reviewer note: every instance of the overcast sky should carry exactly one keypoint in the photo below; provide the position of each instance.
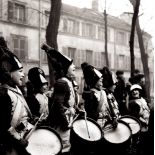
(116, 7)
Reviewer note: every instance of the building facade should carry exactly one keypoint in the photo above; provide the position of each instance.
(81, 36)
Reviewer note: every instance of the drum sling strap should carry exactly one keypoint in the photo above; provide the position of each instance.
(111, 111)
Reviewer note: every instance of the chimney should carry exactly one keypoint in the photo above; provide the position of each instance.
(95, 5)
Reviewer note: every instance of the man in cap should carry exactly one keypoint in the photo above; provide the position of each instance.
(63, 109)
(14, 113)
(120, 92)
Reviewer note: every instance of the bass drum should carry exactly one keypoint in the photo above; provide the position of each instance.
(85, 136)
(44, 141)
(135, 126)
(116, 140)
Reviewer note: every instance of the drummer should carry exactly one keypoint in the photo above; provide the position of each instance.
(109, 85)
(63, 109)
(38, 101)
(96, 102)
(15, 114)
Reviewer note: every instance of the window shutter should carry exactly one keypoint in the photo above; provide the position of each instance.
(22, 49)
(10, 10)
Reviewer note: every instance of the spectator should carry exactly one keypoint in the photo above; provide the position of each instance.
(120, 92)
(138, 108)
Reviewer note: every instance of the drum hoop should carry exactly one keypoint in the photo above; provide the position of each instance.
(94, 122)
(124, 141)
(134, 118)
(91, 120)
(52, 130)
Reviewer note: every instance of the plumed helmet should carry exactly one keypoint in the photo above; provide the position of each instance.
(91, 74)
(135, 86)
(58, 60)
(9, 62)
(109, 79)
(37, 77)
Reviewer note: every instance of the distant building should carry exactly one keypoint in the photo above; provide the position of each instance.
(81, 36)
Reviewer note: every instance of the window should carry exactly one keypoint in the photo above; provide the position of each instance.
(70, 26)
(121, 61)
(80, 57)
(121, 38)
(138, 63)
(19, 46)
(128, 62)
(89, 54)
(101, 33)
(16, 12)
(99, 59)
(88, 30)
(103, 58)
(71, 53)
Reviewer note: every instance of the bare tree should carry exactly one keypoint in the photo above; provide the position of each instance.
(131, 42)
(52, 32)
(144, 56)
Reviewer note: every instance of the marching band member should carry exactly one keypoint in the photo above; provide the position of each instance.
(95, 100)
(63, 108)
(109, 85)
(38, 101)
(15, 114)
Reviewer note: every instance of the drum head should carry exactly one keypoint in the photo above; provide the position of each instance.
(118, 135)
(133, 123)
(87, 130)
(44, 141)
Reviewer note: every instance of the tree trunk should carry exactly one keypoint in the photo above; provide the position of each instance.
(131, 42)
(52, 32)
(144, 56)
(144, 59)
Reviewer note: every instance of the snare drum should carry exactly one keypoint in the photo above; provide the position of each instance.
(44, 141)
(117, 140)
(85, 136)
(135, 126)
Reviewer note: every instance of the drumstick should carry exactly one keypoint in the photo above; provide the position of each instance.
(29, 134)
(70, 124)
(86, 125)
